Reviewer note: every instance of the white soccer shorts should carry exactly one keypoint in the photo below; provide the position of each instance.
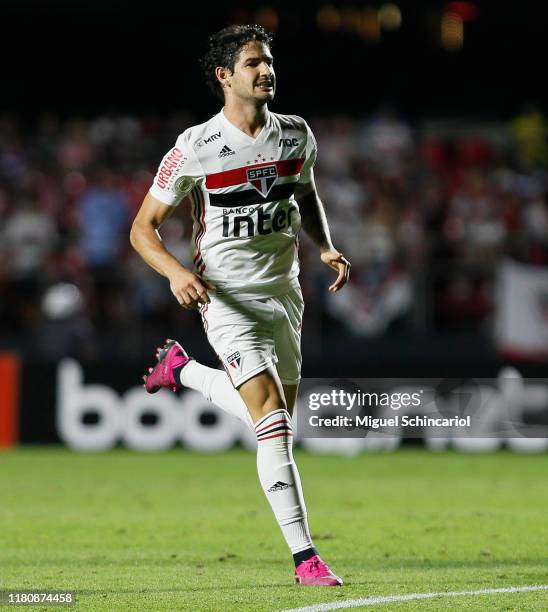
(249, 336)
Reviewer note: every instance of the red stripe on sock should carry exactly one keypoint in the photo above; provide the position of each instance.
(258, 431)
(273, 429)
(275, 436)
(267, 416)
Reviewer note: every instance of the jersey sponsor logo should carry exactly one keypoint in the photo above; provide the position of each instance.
(226, 151)
(255, 221)
(212, 138)
(171, 162)
(262, 179)
(288, 142)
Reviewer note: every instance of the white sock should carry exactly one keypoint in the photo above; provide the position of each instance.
(280, 478)
(216, 387)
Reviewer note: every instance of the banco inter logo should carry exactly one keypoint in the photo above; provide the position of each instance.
(262, 179)
(248, 221)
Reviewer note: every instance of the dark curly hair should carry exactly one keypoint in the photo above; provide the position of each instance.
(224, 48)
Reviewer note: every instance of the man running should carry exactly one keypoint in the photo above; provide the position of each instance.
(248, 175)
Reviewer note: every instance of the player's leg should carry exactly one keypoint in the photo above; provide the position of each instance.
(238, 332)
(290, 394)
(310, 569)
(268, 406)
(242, 337)
(216, 387)
(175, 369)
(264, 396)
(263, 393)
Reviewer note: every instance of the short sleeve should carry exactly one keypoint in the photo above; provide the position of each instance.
(178, 173)
(311, 152)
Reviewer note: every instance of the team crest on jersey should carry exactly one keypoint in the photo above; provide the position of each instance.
(262, 179)
(234, 360)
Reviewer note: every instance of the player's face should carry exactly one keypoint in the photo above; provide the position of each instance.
(254, 73)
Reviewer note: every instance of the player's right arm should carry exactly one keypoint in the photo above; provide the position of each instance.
(314, 220)
(188, 288)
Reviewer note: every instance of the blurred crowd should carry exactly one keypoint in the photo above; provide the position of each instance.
(424, 210)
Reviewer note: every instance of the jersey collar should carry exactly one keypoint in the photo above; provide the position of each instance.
(242, 136)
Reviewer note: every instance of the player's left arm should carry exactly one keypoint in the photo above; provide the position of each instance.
(314, 223)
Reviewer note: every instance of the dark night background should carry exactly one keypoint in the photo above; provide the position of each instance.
(87, 57)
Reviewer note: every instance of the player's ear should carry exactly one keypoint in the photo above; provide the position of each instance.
(222, 75)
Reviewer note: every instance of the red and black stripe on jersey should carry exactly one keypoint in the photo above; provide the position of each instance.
(247, 197)
(198, 214)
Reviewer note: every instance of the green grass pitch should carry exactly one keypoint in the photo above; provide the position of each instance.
(182, 531)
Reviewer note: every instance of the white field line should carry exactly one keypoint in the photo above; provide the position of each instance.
(373, 601)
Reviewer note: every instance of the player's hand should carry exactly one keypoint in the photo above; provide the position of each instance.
(340, 264)
(189, 289)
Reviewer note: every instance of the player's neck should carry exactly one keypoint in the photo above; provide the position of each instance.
(246, 117)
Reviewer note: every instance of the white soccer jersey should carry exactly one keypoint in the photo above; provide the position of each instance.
(246, 219)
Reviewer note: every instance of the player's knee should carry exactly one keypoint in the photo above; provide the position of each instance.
(271, 403)
(262, 396)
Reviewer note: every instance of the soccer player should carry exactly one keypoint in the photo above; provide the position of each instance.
(248, 175)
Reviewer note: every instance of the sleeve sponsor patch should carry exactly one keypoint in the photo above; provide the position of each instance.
(170, 164)
(184, 185)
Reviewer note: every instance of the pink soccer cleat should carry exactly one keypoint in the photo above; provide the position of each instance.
(169, 356)
(314, 572)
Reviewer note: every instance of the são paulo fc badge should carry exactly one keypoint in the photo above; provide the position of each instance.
(233, 359)
(262, 178)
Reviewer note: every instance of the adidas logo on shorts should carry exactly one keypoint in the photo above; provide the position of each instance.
(279, 486)
(226, 151)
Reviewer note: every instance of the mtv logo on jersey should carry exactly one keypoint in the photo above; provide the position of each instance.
(262, 178)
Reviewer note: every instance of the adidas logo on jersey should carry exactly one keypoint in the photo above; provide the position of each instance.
(226, 151)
